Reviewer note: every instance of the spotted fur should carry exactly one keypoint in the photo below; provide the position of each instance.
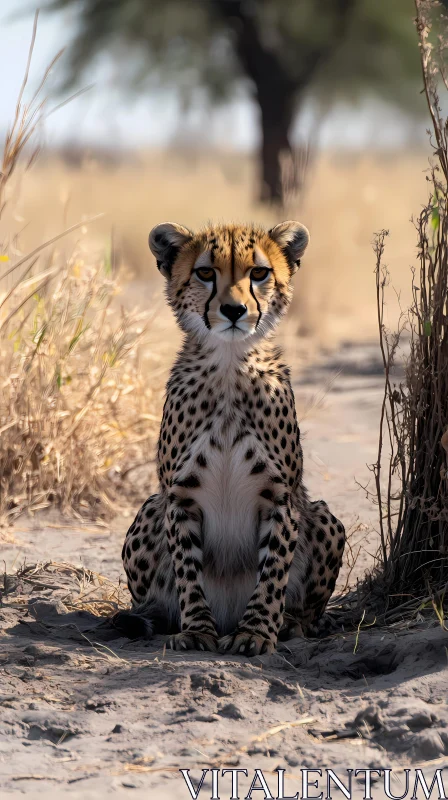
(230, 553)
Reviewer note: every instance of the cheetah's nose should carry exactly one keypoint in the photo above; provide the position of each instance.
(233, 313)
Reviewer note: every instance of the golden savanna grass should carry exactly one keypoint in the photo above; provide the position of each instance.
(81, 367)
(81, 385)
(347, 198)
(75, 410)
(78, 402)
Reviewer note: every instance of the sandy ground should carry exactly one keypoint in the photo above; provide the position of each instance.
(88, 715)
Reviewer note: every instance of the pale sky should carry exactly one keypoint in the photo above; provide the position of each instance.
(105, 116)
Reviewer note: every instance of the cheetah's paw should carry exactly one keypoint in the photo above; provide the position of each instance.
(193, 641)
(244, 643)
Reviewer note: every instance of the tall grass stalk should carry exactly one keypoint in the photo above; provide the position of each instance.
(411, 472)
(77, 409)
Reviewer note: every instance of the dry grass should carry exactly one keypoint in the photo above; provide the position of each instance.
(77, 405)
(334, 300)
(409, 581)
(413, 494)
(348, 197)
(76, 410)
(78, 588)
(81, 387)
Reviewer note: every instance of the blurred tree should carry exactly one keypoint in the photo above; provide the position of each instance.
(282, 48)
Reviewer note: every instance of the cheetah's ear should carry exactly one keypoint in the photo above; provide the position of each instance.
(293, 239)
(165, 241)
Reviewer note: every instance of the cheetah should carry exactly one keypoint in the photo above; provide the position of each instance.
(230, 555)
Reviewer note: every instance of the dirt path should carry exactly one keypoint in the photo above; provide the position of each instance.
(87, 715)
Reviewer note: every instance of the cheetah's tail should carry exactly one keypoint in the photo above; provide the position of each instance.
(142, 622)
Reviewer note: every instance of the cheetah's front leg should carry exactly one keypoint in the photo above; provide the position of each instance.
(257, 632)
(198, 628)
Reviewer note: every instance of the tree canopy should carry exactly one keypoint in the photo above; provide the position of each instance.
(280, 50)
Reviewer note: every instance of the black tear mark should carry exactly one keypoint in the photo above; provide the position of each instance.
(258, 304)
(207, 305)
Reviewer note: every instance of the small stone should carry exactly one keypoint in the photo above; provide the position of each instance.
(45, 609)
(118, 728)
(231, 711)
(98, 704)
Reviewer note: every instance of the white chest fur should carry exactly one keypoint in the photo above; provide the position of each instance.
(229, 498)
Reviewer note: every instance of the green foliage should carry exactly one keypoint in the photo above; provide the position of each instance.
(163, 42)
(280, 49)
(193, 43)
(379, 54)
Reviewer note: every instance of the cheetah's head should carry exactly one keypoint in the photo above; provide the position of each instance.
(230, 281)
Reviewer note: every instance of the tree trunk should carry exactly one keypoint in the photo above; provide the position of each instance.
(276, 87)
(276, 114)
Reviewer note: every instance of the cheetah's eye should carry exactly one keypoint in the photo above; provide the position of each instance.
(259, 273)
(205, 274)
